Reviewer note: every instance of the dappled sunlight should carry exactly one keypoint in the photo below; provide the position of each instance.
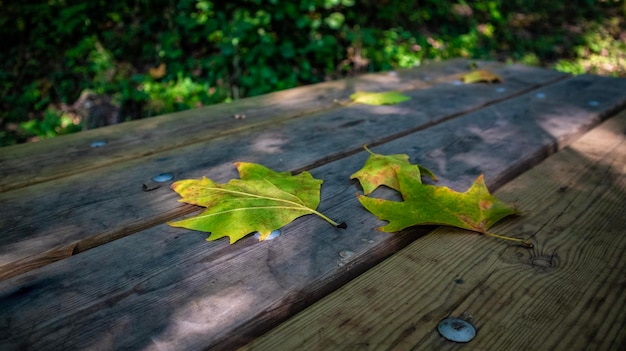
(208, 314)
(602, 140)
(561, 123)
(250, 281)
(268, 143)
(391, 112)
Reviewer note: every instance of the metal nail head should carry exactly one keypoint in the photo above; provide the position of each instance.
(98, 143)
(457, 330)
(163, 177)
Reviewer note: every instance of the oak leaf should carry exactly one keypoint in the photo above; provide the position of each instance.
(481, 75)
(382, 170)
(385, 98)
(261, 201)
(476, 209)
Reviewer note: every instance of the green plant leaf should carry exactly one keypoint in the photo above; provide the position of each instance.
(262, 200)
(476, 209)
(382, 170)
(385, 98)
(481, 75)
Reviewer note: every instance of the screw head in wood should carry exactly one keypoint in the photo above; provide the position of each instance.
(163, 177)
(457, 330)
(98, 143)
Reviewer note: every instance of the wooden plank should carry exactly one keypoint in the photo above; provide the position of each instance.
(52, 220)
(565, 294)
(23, 165)
(165, 288)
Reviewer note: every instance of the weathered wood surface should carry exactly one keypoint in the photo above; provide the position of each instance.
(33, 163)
(52, 220)
(565, 294)
(165, 288)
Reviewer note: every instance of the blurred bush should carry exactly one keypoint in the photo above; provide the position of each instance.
(151, 57)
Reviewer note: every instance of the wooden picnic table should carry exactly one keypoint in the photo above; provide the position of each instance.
(87, 260)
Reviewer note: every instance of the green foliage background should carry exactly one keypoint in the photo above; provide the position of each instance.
(217, 51)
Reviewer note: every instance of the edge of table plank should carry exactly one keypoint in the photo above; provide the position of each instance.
(565, 294)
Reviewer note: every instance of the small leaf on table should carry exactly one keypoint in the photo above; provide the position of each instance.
(385, 98)
(262, 200)
(481, 75)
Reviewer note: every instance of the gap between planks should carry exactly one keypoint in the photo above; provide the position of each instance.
(565, 294)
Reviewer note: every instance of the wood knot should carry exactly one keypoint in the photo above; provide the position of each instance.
(544, 262)
(541, 262)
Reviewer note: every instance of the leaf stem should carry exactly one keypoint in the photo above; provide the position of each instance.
(524, 242)
(368, 150)
(335, 224)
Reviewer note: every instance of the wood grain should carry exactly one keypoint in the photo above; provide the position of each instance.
(33, 163)
(565, 294)
(165, 288)
(81, 211)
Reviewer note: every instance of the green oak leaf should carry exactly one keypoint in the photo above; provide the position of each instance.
(481, 75)
(476, 209)
(385, 98)
(262, 200)
(382, 169)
